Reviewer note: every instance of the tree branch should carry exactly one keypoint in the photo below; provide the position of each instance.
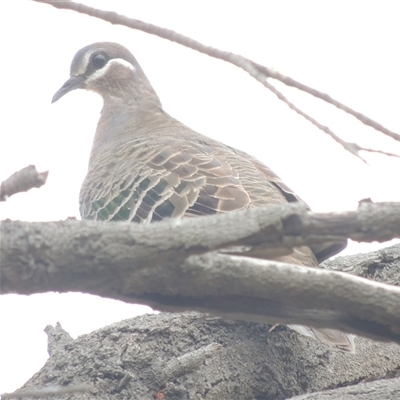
(168, 265)
(22, 181)
(188, 356)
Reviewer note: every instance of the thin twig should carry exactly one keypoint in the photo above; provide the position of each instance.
(325, 97)
(353, 148)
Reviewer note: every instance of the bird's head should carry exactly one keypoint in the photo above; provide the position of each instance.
(106, 68)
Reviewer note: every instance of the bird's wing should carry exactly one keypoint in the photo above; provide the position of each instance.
(183, 176)
(322, 251)
(150, 181)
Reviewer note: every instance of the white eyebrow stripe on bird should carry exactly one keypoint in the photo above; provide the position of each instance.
(84, 63)
(100, 72)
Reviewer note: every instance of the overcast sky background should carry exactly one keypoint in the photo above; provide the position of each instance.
(347, 49)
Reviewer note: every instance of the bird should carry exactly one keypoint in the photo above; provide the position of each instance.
(146, 166)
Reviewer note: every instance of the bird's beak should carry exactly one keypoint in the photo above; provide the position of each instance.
(74, 82)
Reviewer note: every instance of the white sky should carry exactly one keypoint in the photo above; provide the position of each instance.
(347, 49)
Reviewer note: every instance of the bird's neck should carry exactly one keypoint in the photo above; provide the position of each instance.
(125, 116)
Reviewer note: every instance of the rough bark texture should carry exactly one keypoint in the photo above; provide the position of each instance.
(381, 266)
(192, 356)
(22, 181)
(189, 356)
(151, 265)
(378, 390)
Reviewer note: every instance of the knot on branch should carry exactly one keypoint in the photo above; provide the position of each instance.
(293, 224)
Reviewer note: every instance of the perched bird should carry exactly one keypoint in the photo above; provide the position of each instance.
(146, 166)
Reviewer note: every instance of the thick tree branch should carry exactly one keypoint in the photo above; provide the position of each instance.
(259, 72)
(189, 356)
(167, 265)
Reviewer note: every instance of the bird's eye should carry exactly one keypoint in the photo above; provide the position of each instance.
(99, 60)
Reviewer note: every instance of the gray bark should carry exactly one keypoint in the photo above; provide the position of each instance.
(192, 356)
(166, 265)
(385, 389)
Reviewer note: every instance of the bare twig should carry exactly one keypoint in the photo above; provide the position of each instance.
(353, 148)
(22, 181)
(325, 97)
(257, 71)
